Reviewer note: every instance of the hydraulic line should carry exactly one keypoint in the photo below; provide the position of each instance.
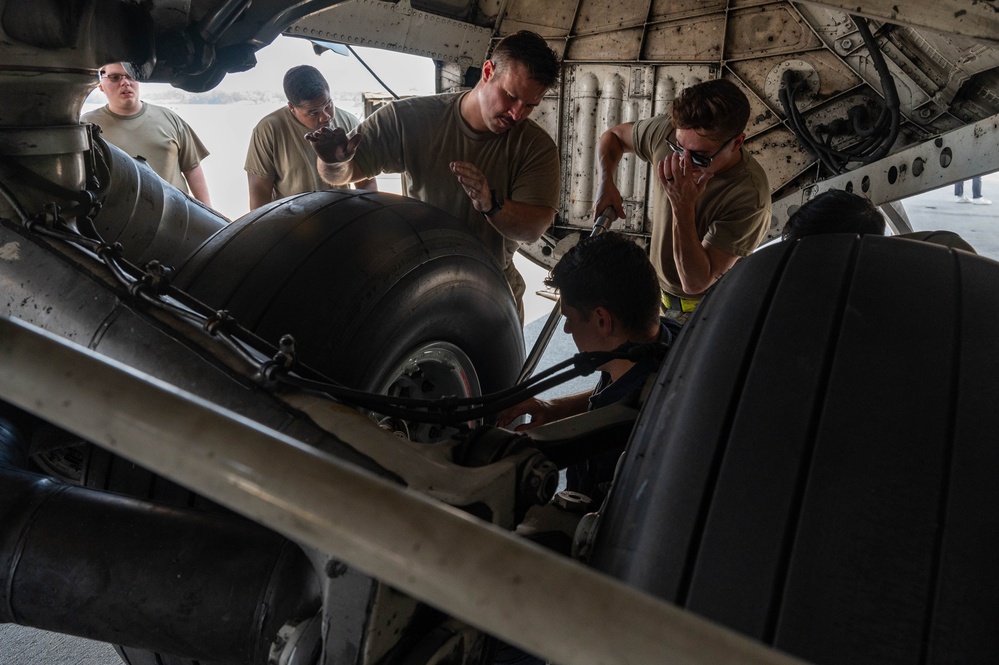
(151, 284)
(878, 138)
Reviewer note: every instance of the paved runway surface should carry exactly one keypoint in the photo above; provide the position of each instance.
(936, 210)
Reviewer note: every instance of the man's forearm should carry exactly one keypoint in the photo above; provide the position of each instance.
(570, 405)
(523, 222)
(611, 148)
(261, 190)
(336, 174)
(198, 185)
(609, 153)
(257, 199)
(693, 264)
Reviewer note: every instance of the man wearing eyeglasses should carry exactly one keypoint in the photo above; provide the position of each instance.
(712, 206)
(280, 162)
(156, 134)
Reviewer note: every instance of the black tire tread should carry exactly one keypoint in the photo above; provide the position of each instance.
(817, 462)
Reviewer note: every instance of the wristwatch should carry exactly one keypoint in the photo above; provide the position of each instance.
(497, 204)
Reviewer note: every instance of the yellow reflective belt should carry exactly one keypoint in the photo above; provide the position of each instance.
(676, 302)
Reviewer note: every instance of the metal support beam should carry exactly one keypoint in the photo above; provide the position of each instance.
(473, 570)
(970, 151)
(397, 26)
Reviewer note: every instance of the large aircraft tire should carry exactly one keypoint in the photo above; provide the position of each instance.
(360, 280)
(816, 466)
(379, 292)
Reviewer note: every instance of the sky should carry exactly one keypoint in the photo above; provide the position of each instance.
(405, 74)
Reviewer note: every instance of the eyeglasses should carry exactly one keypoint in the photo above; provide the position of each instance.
(697, 158)
(116, 78)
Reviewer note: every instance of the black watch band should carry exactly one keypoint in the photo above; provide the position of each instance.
(497, 205)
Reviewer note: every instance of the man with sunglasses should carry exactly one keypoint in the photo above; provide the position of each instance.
(156, 134)
(280, 161)
(712, 205)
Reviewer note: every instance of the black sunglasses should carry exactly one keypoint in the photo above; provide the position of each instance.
(697, 158)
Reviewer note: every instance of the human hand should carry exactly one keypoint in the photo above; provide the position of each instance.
(683, 182)
(538, 410)
(475, 184)
(332, 145)
(608, 196)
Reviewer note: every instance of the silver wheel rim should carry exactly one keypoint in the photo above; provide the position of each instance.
(430, 371)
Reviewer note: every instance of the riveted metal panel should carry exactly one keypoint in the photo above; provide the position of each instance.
(550, 19)
(618, 46)
(831, 77)
(978, 19)
(691, 39)
(454, 8)
(763, 31)
(603, 16)
(781, 156)
(666, 10)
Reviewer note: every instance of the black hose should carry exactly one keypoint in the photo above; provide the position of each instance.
(878, 138)
(453, 410)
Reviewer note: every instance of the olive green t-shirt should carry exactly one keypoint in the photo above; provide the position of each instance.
(278, 151)
(156, 134)
(420, 136)
(733, 212)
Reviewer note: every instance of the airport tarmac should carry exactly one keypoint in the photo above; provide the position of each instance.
(978, 224)
(934, 210)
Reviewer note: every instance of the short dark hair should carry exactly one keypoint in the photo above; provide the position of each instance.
(531, 50)
(613, 272)
(835, 211)
(718, 108)
(304, 83)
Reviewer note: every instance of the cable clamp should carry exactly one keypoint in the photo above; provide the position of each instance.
(157, 277)
(218, 322)
(282, 361)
